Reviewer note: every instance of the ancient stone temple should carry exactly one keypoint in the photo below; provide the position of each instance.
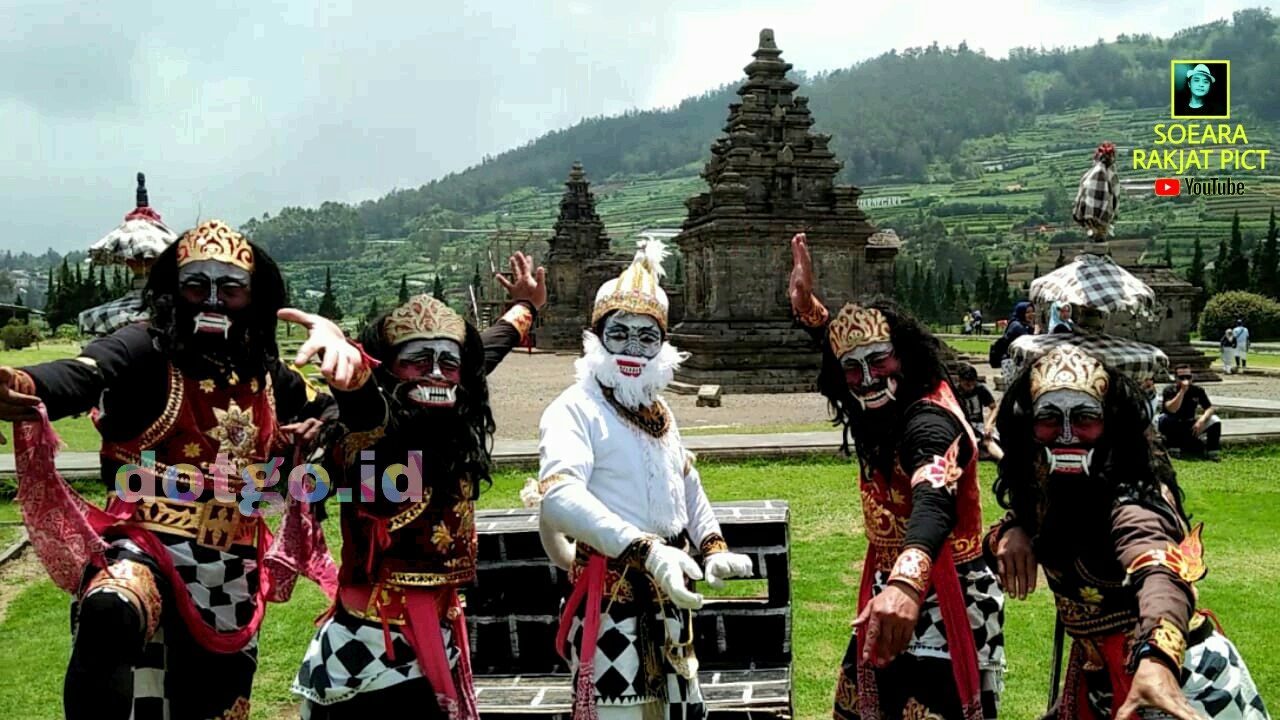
(578, 263)
(769, 177)
(1171, 329)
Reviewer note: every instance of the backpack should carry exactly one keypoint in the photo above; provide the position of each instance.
(998, 350)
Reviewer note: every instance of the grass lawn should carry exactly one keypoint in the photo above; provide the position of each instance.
(1237, 500)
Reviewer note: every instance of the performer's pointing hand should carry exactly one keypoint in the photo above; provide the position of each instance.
(890, 620)
(341, 361)
(669, 566)
(1154, 686)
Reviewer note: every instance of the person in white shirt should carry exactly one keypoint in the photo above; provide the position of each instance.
(616, 477)
(1242, 345)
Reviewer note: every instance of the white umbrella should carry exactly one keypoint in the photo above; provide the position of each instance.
(139, 240)
(1096, 282)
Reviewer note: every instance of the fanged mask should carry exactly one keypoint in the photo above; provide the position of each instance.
(1067, 390)
(871, 372)
(430, 370)
(215, 294)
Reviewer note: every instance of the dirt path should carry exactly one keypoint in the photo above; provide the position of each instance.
(17, 575)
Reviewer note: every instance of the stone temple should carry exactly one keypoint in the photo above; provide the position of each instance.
(578, 263)
(769, 177)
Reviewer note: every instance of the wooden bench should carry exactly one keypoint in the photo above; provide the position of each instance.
(743, 643)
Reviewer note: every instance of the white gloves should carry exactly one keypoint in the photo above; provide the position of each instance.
(723, 565)
(669, 566)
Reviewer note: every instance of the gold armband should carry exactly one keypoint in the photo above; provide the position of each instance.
(521, 318)
(712, 544)
(815, 316)
(912, 568)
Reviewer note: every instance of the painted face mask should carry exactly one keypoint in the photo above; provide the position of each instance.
(428, 336)
(215, 266)
(430, 370)
(1067, 392)
(860, 338)
(633, 340)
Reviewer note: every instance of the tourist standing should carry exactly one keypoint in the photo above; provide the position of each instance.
(1242, 345)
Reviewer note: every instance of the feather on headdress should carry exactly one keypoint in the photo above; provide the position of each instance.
(637, 289)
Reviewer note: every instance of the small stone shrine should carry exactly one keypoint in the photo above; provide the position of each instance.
(769, 177)
(578, 263)
(1171, 329)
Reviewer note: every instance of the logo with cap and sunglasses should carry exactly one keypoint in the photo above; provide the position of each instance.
(1200, 89)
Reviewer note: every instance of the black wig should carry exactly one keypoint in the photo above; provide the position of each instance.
(923, 362)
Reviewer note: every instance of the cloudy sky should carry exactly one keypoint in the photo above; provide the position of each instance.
(256, 105)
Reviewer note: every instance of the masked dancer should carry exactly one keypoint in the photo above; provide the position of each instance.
(1094, 501)
(420, 403)
(928, 639)
(616, 477)
(171, 579)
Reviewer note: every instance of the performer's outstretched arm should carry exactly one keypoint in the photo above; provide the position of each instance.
(74, 386)
(510, 330)
(567, 504)
(805, 305)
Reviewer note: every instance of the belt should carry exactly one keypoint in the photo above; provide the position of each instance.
(387, 603)
(213, 523)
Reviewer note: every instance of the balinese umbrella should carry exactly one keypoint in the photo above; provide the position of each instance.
(1138, 360)
(1095, 282)
(139, 240)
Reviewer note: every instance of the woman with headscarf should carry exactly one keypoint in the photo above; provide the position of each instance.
(1019, 325)
(1060, 318)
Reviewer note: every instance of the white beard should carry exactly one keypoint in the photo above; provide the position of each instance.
(600, 365)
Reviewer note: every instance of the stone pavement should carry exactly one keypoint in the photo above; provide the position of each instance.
(524, 453)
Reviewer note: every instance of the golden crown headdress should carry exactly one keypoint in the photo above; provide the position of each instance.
(215, 240)
(424, 318)
(1069, 368)
(855, 326)
(637, 289)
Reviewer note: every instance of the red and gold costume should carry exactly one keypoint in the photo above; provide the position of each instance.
(923, 520)
(195, 570)
(397, 633)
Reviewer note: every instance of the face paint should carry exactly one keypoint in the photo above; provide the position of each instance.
(1068, 423)
(215, 294)
(871, 372)
(432, 369)
(633, 339)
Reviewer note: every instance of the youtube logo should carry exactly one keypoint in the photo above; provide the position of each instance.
(1168, 186)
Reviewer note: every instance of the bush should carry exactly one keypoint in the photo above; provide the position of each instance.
(67, 332)
(16, 335)
(1260, 314)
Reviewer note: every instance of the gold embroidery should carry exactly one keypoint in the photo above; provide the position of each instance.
(1168, 639)
(137, 583)
(652, 419)
(224, 525)
(943, 472)
(441, 538)
(426, 579)
(712, 544)
(915, 711)
(236, 431)
(239, 711)
(913, 567)
(521, 318)
(856, 326)
(191, 450)
(163, 424)
(1068, 368)
(408, 515)
(1090, 595)
(846, 694)
(816, 316)
(214, 240)
(424, 318)
(1186, 561)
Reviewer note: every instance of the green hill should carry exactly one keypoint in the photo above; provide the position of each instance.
(984, 154)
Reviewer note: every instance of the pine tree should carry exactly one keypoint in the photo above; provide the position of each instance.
(949, 298)
(1237, 273)
(372, 313)
(1062, 259)
(437, 289)
(1269, 270)
(329, 303)
(1220, 269)
(1035, 271)
(1168, 253)
(404, 290)
(982, 290)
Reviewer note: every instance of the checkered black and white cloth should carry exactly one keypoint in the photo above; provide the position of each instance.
(1095, 282)
(1097, 199)
(223, 585)
(630, 667)
(137, 240)
(348, 656)
(1135, 359)
(984, 601)
(109, 317)
(1217, 683)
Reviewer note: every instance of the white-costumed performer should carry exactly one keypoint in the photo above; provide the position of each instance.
(616, 477)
